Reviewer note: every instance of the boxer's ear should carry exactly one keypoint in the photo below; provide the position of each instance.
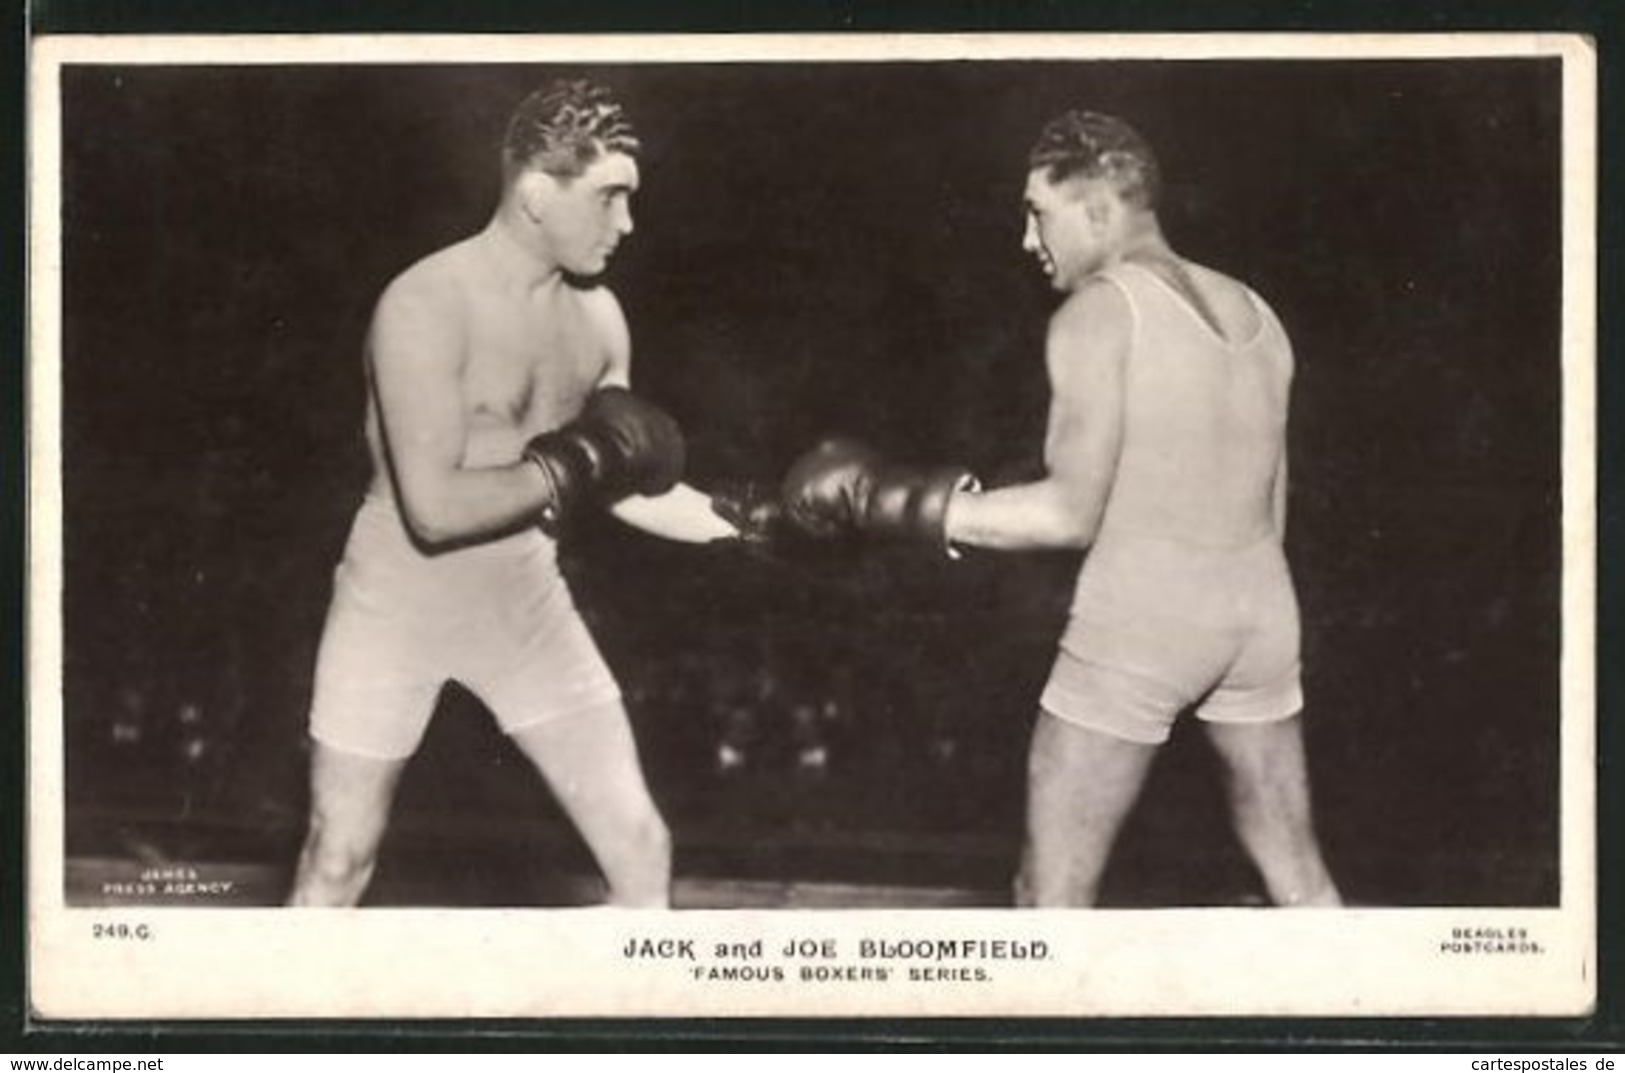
(535, 189)
(1100, 206)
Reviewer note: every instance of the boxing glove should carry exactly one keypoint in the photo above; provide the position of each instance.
(755, 511)
(844, 487)
(620, 445)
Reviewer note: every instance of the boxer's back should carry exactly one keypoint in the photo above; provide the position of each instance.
(1205, 408)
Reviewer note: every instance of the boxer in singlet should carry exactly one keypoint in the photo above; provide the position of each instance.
(1165, 456)
(1167, 443)
(1185, 598)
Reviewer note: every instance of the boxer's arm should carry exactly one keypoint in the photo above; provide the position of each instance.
(1086, 352)
(1279, 491)
(682, 514)
(416, 357)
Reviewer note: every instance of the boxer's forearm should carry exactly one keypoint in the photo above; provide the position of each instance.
(470, 504)
(1022, 517)
(682, 514)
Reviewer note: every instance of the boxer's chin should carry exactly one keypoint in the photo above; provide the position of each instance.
(588, 271)
(1047, 266)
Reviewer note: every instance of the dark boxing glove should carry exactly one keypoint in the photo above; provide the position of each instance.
(844, 487)
(620, 445)
(756, 511)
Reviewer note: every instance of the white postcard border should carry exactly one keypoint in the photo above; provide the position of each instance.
(267, 964)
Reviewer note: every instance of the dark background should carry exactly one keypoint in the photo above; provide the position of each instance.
(829, 246)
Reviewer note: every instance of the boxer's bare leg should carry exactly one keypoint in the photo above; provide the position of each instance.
(349, 811)
(1081, 784)
(590, 761)
(1267, 779)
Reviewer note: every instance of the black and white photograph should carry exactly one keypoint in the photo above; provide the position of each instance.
(918, 525)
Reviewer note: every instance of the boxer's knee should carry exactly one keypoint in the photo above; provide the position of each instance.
(341, 862)
(350, 801)
(335, 865)
(1047, 755)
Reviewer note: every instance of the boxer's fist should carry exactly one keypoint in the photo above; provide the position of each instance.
(844, 487)
(619, 446)
(754, 510)
(826, 492)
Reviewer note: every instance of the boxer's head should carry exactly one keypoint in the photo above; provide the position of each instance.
(570, 167)
(1091, 181)
(1092, 146)
(563, 128)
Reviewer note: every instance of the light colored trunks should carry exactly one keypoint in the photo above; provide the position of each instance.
(496, 617)
(1158, 626)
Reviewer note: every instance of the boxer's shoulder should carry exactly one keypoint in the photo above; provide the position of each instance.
(423, 311)
(1097, 316)
(1101, 298)
(599, 304)
(436, 285)
(601, 311)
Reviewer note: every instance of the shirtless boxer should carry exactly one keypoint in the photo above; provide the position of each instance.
(498, 398)
(1166, 457)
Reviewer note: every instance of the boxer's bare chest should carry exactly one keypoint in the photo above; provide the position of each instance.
(531, 361)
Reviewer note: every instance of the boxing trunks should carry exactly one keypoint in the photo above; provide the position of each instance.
(496, 617)
(1158, 626)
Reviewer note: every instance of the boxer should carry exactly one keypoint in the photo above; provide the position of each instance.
(498, 408)
(1165, 456)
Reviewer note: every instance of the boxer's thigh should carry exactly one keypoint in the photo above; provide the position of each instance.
(351, 797)
(378, 674)
(532, 660)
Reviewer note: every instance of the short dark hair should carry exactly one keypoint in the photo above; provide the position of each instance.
(1091, 145)
(564, 127)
